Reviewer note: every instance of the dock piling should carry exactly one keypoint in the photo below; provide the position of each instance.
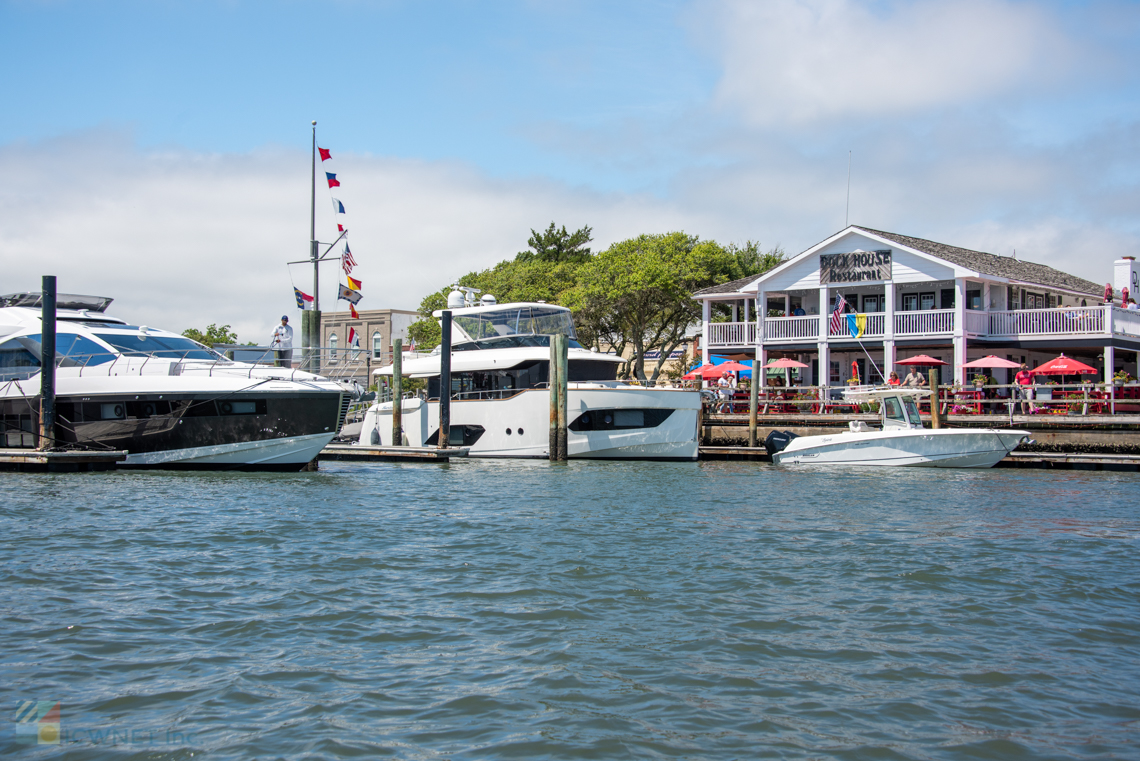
(753, 397)
(397, 392)
(935, 405)
(445, 381)
(47, 363)
(563, 394)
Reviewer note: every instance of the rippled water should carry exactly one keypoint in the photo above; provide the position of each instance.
(594, 610)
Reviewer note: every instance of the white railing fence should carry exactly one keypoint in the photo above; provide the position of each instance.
(1064, 321)
(732, 334)
(794, 328)
(929, 322)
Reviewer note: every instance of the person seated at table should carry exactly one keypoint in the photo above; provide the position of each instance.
(915, 379)
(779, 383)
(893, 380)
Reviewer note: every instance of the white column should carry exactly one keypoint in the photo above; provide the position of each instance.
(888, 358)
(960, 329)
(735, 312)
(706, 317)
(824, 313)
(1109, 363)
(761, 314)
(824, 364)
(787, 305)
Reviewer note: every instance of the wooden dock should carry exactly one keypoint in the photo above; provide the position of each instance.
(58, 462)
(353, 452)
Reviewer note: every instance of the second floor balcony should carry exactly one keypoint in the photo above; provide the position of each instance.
(1064, 322)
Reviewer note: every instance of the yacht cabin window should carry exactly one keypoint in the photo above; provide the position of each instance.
(892, 409)
(912, 411)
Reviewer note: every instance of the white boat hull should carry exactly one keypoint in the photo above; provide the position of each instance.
(285, 452)
(920, 448)
(519, 426)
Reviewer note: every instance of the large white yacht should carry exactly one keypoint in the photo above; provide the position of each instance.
(901, 441)
(501, 399)
(168, 401)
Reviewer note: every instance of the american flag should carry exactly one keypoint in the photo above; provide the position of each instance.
(837, 314)
(346, 261)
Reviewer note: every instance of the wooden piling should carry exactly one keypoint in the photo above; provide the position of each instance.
(935, 411)
(563, 395)
(445, 381)
(555, 386)
(397, 392)
(47, 363)
(753, 396)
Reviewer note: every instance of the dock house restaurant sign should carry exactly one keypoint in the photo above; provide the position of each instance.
(855, 267)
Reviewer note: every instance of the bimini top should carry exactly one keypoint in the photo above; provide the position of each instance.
(875, 393)
(34, 299)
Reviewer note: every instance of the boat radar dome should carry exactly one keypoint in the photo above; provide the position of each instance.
(488, 300)
(455, 300)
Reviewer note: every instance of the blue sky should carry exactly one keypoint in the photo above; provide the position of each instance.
(167, 142)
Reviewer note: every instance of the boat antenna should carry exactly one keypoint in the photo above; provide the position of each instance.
(847, 213)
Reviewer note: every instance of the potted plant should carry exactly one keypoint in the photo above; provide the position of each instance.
(1121, 377)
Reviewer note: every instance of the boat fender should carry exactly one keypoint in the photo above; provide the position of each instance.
(776, 441)
(375, 438)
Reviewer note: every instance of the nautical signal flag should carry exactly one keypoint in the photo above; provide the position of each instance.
(349, 295)
(351, 334)
(353, 283)
(326, 154)
(304, 300)
(338, 207)
(333, 181)
(353, 312)
(339, 227)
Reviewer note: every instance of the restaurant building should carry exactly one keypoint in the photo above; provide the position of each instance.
(916, 296)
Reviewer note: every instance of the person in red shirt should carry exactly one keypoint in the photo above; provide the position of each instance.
(1024, 383)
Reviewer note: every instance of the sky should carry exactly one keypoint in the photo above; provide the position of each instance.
(160, 152)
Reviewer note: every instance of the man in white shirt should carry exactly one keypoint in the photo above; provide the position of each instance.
(282, 343)
(914, 379)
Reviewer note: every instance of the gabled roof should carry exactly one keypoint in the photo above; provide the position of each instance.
(992, 264)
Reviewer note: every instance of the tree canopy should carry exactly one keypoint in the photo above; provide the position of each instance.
(212, 335)
(556, 246)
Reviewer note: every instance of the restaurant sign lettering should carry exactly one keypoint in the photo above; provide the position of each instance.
(854, 267)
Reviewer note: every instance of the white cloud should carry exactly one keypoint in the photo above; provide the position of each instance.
(814, 61)
(182, 240)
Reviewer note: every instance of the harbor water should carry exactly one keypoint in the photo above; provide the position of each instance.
(510, 609)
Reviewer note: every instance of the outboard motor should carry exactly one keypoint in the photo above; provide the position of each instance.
(777, 441)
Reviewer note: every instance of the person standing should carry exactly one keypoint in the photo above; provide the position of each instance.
(282, 343)
(1024, 381)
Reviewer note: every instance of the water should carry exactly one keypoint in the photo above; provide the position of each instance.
(595, 610)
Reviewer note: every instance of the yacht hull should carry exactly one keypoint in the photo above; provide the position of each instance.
(518, 426)
(918, 448)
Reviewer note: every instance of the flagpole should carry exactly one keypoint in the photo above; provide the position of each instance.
(313, 228)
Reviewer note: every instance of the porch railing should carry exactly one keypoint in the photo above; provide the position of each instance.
(1064, 321)
(791, 328)
(926, 323)
(732, 334)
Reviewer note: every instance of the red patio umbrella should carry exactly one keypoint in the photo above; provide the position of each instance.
(992, 361)
(921, 359)
(1063, 365)
(783, 364)
(714, 371)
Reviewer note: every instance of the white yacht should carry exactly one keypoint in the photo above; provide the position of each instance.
(501, 400)
(168, 401)
(902, 440)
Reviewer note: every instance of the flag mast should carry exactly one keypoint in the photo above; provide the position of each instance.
(313, 249)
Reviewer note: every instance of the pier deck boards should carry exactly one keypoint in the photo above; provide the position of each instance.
(346, 452)
(37, 460)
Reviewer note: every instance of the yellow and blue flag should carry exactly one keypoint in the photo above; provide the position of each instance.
(856, 325)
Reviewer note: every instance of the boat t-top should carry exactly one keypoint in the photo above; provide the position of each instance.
(901, 439)
(500, 392)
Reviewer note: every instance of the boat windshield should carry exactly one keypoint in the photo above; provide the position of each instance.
(912, 412)
(171, 347)
(516, 321)
(892, 410)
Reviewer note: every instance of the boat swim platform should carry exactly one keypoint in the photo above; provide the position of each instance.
(360, 453)
(37, 460)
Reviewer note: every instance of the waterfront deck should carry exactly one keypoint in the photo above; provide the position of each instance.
(38, 460)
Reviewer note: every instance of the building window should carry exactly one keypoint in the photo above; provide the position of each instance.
(910, 302)
(377, 346)
(926, 300)
(973, 299)
(332, 347)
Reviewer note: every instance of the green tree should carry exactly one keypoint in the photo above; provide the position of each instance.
(637, 294)
(212, 335)
(556, 246)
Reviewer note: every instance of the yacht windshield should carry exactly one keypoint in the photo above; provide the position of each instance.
(912, 411)
(516, 321)
(171, 347)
